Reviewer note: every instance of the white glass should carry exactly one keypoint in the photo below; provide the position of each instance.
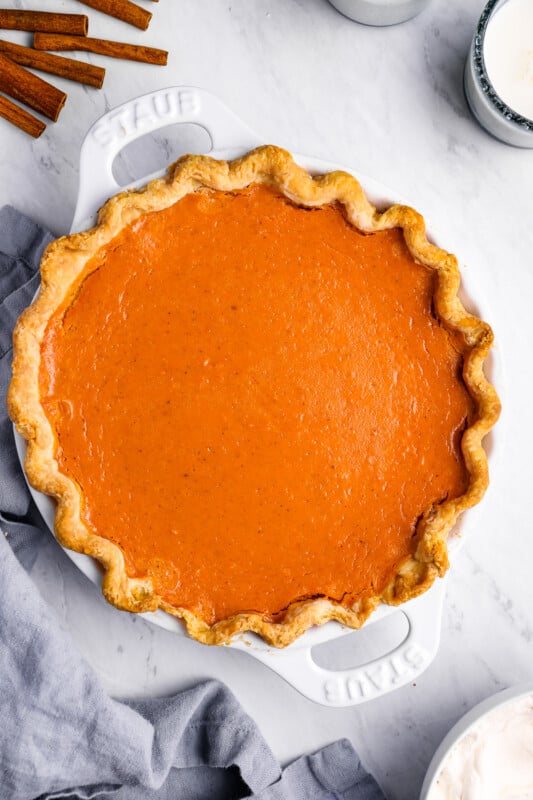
(491, 110)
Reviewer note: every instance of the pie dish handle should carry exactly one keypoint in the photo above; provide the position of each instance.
(349, 687)
(147, 114)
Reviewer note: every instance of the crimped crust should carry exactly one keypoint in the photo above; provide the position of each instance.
(65, 258)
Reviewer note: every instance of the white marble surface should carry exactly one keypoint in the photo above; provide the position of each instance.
(388, 102)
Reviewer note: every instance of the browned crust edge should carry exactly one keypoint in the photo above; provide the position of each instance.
(66, 257)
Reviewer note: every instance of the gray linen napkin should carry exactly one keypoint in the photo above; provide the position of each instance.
(61, 735)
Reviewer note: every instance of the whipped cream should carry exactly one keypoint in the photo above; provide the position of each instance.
(494, 760)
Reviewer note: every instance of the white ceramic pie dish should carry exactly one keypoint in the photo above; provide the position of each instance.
(230, 138)
(463, 727)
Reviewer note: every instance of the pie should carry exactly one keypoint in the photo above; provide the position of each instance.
(257, 400)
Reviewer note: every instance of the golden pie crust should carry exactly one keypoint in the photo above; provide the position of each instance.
(66, 258)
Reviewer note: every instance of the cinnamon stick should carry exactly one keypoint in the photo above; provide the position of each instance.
(56, 65)
(124, 10)
(21, 118)
(130, 52)
(26, 87)
(11, 19)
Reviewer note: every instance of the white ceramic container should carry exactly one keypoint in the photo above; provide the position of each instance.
(380, 12)
(464, 726)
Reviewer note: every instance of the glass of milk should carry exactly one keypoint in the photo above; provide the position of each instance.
(499, 71)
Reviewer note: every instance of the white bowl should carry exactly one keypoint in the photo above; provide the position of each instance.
(463, 727)
(380, 12)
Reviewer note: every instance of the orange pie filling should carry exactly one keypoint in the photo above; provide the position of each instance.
(257, 402)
